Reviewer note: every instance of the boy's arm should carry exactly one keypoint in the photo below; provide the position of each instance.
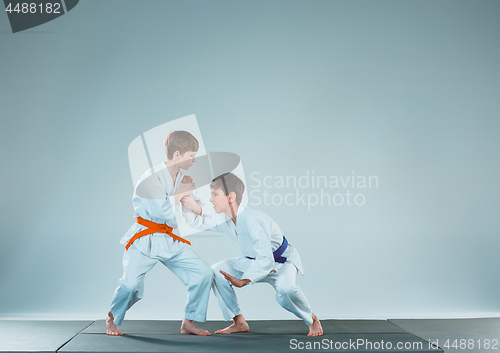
(191, 203)
(185, 190)
(153, 197)
(203, 221)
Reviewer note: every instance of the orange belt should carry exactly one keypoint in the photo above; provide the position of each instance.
(153, 227)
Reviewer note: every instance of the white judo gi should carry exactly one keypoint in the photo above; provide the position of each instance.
(257, 236)
(153, 201)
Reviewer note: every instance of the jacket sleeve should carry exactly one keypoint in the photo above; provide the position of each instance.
(203, 221)
(189, 215)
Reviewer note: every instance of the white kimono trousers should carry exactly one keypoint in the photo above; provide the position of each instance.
(153, 201)
(257, 236)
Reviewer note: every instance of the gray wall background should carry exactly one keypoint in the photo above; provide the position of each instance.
(404, 90)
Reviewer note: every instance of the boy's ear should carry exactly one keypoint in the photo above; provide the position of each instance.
(176, 154)
(232, 196)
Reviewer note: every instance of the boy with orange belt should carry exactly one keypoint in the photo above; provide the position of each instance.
(267, 255)
(158, 209)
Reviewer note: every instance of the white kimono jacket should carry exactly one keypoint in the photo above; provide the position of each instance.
(153, 201)
(257, 236)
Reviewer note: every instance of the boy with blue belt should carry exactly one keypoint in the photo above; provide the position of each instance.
(158, 210)
(268, 257)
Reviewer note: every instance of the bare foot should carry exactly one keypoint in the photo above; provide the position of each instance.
(239, 325)
(188, 328)
(315, 328)
(111, 328)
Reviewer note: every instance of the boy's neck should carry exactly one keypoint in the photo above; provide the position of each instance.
(172, 168)
(232, 211)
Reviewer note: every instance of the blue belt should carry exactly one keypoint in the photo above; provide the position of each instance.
(277, 253)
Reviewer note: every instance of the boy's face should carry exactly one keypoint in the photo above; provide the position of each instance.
(186, 160)
(219, 200)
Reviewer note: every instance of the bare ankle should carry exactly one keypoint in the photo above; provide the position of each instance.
(239, 319)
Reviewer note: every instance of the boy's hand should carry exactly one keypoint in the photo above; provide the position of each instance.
(185, 189)
(189, 203)
(234, 281)
(187, 200)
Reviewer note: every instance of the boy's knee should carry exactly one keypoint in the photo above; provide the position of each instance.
(205, 274)
(130, 285)
(287, 290)
(208, 274)
(219, 277)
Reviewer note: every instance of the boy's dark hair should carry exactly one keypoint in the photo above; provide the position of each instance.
(181, 141)
(228, 182)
